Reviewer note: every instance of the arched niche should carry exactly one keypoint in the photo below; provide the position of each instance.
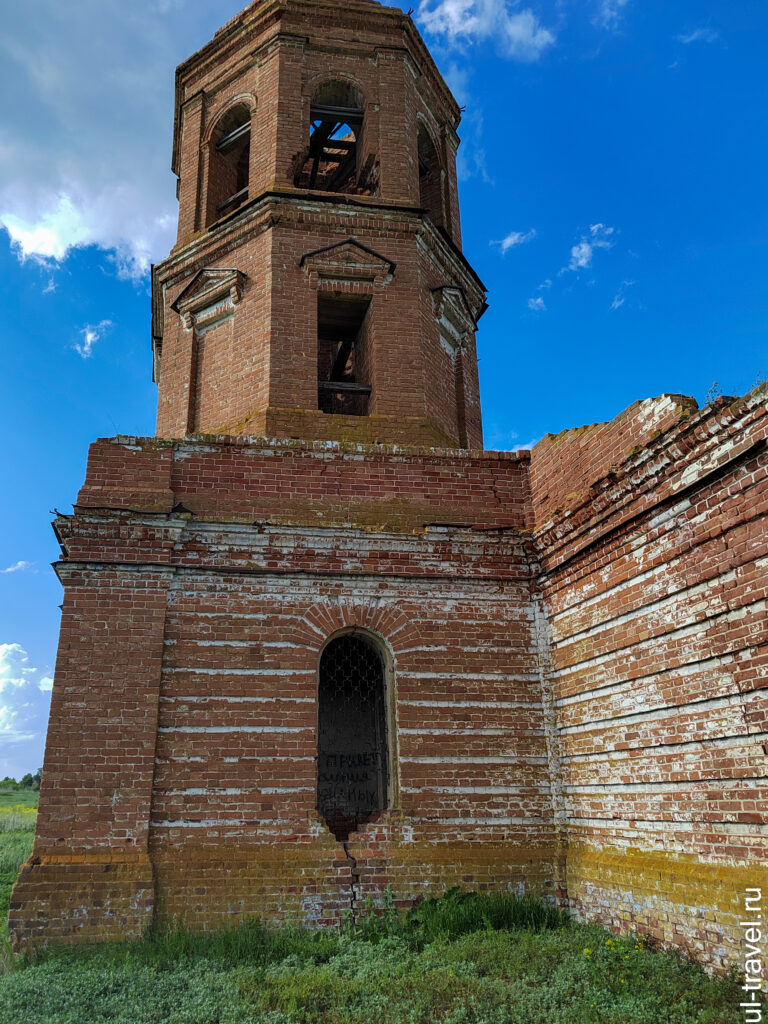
(229, 152)
(431, 179)
(353, 762)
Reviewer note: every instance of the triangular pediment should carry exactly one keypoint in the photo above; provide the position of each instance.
(350, 258)
(207, 286)
(453, 311)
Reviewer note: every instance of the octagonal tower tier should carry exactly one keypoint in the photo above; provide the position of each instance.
(317, 289)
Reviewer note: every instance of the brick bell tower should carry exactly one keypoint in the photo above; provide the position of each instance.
(318, 289)
(298, 652)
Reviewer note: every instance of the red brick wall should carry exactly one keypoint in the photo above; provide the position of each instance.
(229, 774)
(237, 745)
(596, 686)
(304, 483)
(655, 584)
(256, 374)
(91, 877)
(576, 636)
(564, 466)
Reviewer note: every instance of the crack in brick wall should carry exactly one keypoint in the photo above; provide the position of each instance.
(581, 712)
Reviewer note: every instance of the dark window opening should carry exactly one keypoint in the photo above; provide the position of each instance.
(430, 179)
(352, 771)
(343, 372)
(333, 161)
(229, 168)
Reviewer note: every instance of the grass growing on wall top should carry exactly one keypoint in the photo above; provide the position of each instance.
(464, 959)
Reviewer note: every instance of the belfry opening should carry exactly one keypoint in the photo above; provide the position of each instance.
(352, 755)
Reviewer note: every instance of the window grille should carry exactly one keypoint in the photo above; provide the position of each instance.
(352, 740)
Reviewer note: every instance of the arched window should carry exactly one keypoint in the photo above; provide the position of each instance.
(430, 179)
(352, 763)
(334, 160)
(229, 163)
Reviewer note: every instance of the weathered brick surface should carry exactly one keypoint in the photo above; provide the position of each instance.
(574, 639)
(655, 582)
(598, 682)
(254, 371)
(250, 600)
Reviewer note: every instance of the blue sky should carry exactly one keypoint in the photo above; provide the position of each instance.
(613, 185)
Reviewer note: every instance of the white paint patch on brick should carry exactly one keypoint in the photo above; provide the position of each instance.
(243, 644)
(467, 732)
(736, 700)
(474, 676)
(609, 688)
(248, 758)
(687, 594)
(727, 828)
(253, 790)
(231, 729)
(460, 759)
(447, 820)
(736, 785)
(691, 747)
(220, 698)
(214, 823)
(712, 460)
(271, 790)
(484, 790)
(684, 632)
(491, 705)
(272, 672)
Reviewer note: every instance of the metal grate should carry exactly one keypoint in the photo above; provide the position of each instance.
(352, 743)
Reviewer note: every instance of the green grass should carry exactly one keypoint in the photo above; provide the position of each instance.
(17, 832)
(464, 959)
(10, 798)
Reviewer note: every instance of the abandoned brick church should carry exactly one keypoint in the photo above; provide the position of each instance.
(316, 642)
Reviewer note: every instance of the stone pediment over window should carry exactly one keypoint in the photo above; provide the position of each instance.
(454, 316)
(209, 298)
(346, 263)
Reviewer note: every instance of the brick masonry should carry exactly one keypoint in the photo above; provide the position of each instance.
(578, 691)
(574, 638)
(654, 583)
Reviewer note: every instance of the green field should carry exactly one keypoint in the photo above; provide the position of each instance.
(18, 797)
(464, 959)
(17, 829)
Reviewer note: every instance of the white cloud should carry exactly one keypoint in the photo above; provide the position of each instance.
(699, 35)
(537, 304)
(599, 237)
(499, 437)
(18, 567)
(25, 696)
(621, 296)
(610, 12)
(14, 666)
(85, 147)
(518, 33)
(90, 336)
(471, 159)
(581, 256)
(457, 79)
(515, 238)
